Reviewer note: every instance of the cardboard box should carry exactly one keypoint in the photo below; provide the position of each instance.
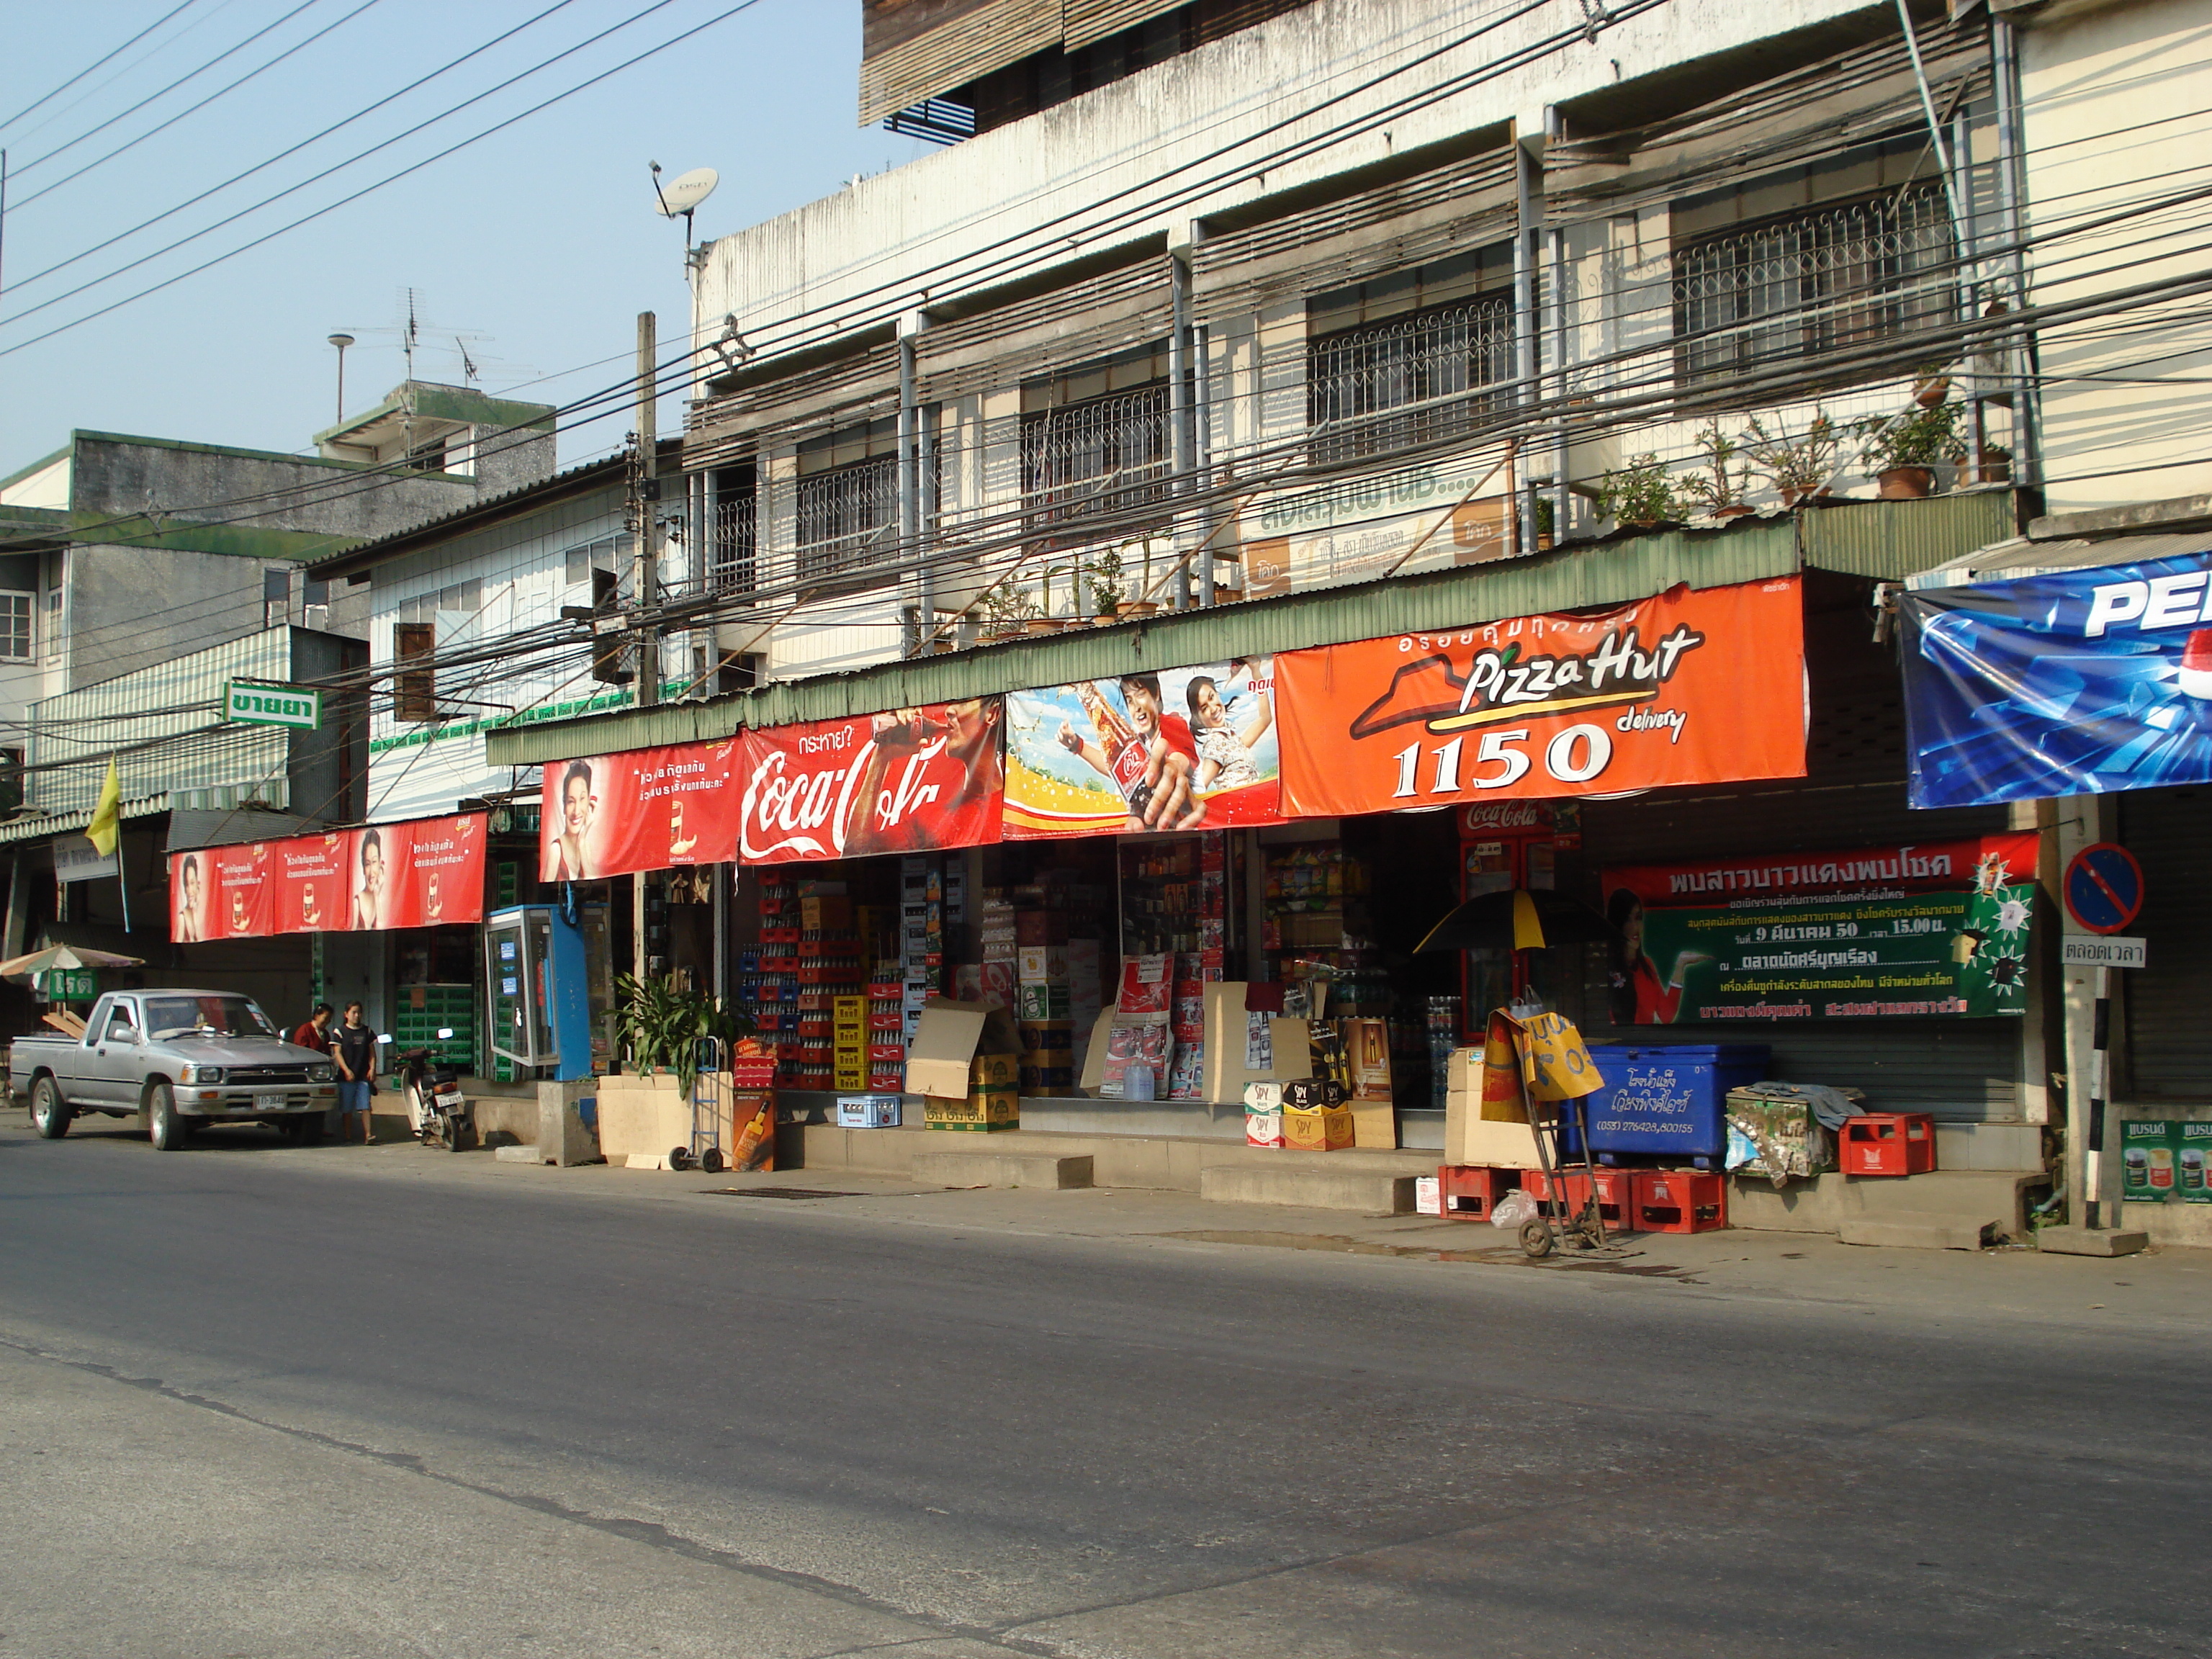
(1034, 1002)
(1263, 1097)
(1263, 1128)
(821, 913)
(1470, 1138)
(1374, 1125)
(1324, 1129)
(1045, 1034)
(868, 1111)
(993, 1072)
(1040, 965)
(1428, 1195)
(947, 1037)
(987, 1111)
(1290, 1052)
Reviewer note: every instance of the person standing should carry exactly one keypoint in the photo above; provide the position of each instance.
(354, 1052)
(314, 1031)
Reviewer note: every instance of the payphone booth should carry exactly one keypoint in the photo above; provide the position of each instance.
(538, 963)
(1503, 845)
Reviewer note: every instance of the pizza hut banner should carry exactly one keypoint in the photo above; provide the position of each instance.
(1180, 749)
(1693, 686)
(645, 808)
(909, 781)
(423, 873)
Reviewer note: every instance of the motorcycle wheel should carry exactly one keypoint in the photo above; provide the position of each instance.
(453, 1133)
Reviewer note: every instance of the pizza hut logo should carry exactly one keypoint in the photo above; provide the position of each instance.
(1503, 683)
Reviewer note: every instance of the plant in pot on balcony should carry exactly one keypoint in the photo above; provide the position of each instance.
(1903, 450)
(1717, 490)
(1639, 494)
(1799, 468)
(1104, 569)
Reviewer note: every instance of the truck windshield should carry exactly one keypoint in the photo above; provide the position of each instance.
(217, 1016)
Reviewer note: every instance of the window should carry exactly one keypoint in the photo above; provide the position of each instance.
(414, 691)
(1429, 368)
(847, 498)
(1813, 282)
(15, 614)
(731, 536)
(53, 640)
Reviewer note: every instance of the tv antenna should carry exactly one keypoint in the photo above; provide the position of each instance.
(683, 194)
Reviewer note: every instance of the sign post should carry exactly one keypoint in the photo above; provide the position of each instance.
(2104, 892)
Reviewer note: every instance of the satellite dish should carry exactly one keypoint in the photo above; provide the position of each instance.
(685, 193)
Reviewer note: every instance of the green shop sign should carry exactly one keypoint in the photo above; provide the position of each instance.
(72, 985)
(245, 703)
(1883, 933)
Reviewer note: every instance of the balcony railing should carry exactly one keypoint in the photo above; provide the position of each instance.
(1814, 282)
(1432, 367)
(1103, 457)
(848, 518)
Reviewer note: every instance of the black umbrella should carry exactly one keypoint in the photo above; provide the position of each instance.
(1518, 919)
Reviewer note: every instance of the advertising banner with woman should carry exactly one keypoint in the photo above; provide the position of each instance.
(1877, 931)
(311, 881)
(906, 780)
(1693, 686)
(1181, 748)
(423, 873)
(645, 808)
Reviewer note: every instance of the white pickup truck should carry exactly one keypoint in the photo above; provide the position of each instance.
(173, 1059)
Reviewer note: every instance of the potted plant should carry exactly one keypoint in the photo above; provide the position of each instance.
(1639, 494)
(1717, 489)
(1903, 450)
(1005, 611)
(660, 1027)
(1799, 468)
(1107, 591)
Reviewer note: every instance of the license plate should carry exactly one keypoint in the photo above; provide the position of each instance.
(268, 1103)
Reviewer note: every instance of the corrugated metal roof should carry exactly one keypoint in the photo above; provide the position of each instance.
(46, 826)
(1572, 578)
(1891, 540)
(2018, 557)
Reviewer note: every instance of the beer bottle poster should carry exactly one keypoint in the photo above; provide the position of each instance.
(1877, 932)
(1176, 749)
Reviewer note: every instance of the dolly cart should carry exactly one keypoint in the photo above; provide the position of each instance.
(708, 1111)
(1553, 1228)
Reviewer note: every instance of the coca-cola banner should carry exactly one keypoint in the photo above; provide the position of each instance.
(908, 780)
(423, 873)
(645, 808)
(1180, 749)
(1691, 686)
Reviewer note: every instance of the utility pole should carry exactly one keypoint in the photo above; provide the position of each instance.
(644, 502)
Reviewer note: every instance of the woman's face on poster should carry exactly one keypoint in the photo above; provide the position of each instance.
(1208, 707)
(576, 806)
(372, 868)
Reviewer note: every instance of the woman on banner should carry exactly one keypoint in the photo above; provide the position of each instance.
(1224, 754)
(1637, 994)
(368, 897)
(578, 804)
(190, 899)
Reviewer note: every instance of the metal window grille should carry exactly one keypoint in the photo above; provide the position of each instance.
(848, 518)
(732, 543)
(1813, 283)
(1104, 456)
(1429, 368)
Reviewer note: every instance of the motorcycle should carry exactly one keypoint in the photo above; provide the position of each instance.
(441, 1115)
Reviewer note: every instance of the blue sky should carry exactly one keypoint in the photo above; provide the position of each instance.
(536, 246)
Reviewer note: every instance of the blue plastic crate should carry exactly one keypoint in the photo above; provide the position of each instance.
(1666, 1101)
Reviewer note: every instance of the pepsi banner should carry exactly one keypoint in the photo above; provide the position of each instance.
(2067, 683)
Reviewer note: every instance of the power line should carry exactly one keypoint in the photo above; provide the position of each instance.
(58, 91)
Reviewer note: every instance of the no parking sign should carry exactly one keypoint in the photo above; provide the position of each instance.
(2104, 888)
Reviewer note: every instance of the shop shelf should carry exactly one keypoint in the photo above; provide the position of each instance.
(1678, 1200)
(1889, 1144)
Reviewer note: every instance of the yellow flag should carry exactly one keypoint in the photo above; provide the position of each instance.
(106, 815)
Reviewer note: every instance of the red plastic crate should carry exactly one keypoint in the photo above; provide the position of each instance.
(1678, 1200)
(1469, 1192)
(1889, 1144)
(1616, 1203)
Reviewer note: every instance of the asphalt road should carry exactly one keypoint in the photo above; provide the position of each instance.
(335, 1402)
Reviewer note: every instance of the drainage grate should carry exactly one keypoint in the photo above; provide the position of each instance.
(774, 1192)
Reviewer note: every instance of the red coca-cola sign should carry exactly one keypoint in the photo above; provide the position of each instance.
(908, 781)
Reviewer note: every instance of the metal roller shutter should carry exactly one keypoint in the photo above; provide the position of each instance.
(1961, 1070)
(2168, 1036)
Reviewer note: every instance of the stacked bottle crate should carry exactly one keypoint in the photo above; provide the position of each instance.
(425, 1010)
(767, 979)
(830, 968)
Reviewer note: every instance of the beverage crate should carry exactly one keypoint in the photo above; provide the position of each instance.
(1889, 1144)
(1679, 1200)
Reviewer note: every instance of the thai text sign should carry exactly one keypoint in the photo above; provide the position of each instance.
(248, 704)
(645, 808)
(1689, 686)
(1885, 932)
(1179, 748)
(2068, 683)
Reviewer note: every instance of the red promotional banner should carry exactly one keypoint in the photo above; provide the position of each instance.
(311, 883)
(418, 874)
(645, 808)
(906, 781)
(1689, 686)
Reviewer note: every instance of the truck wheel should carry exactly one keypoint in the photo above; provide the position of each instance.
(50, 1113)
(165, 1125)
